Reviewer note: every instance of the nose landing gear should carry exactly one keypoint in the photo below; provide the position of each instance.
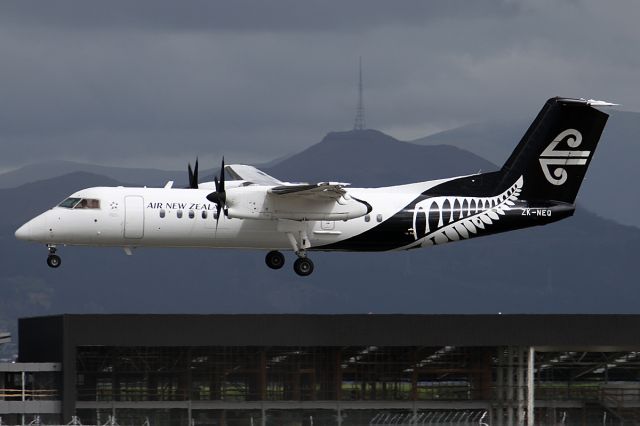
(53, 260)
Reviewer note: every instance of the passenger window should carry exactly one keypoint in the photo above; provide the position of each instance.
(204, 214)
(191, 214)
(69, 203)
(379, 218)
(179, 213)
(162, 213)
(367, 218)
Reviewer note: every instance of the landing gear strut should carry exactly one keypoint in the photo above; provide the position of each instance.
(296, 232)
(274, 259)
(53, 260)
(303, 266)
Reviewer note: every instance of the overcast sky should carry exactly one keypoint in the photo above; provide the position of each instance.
(154, 83)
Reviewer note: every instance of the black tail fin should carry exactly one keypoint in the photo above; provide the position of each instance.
(554, 154)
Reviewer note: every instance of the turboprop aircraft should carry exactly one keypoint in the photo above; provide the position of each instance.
(252, 210)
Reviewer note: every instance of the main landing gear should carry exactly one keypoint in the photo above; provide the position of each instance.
(275, 259)
(53, 260)
(303, 266)
(296, 232)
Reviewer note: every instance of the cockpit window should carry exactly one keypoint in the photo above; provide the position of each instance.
(88, 203)
(80, 203)
(69, 203)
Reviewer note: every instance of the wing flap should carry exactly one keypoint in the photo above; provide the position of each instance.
(322, 190)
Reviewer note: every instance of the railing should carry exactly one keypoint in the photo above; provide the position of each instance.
(14, 394)
(431, 418)
(620, 396)
(623, 402)
(75, 421)
(567, 393)
(543, 392)
(439, 392)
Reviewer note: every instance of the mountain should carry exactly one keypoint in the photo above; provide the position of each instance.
(606, 189)
(372, 158)
(492, 140)
(55, 168)
(583, 264)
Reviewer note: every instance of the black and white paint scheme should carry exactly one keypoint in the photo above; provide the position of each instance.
(246, 208)
(460, 217)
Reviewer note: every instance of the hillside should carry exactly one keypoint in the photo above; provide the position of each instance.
(372, 158)
(56, 168)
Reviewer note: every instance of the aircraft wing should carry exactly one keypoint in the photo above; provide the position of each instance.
(322, 190)
(318, 191)
(250, 174)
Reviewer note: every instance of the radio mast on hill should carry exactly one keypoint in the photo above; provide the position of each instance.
(359, 122)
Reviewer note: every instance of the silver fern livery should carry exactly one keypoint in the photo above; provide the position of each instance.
(460, 217)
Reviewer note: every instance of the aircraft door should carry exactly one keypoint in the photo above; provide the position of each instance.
(327, 225)
(133, 216)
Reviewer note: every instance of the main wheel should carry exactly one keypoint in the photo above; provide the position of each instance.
(303, 266)
(53, 260)
(274, 259)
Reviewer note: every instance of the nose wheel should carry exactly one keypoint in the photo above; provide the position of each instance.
(53, 260)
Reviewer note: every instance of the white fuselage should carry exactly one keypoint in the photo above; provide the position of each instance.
(171, 217)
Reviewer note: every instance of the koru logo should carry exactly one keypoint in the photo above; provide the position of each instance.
(550, 158)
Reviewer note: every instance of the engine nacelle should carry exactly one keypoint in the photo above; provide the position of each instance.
(255, 202)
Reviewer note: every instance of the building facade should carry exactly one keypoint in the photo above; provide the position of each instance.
(341, 369)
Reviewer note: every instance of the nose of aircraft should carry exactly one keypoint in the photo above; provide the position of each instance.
(35, 229)
(24, 232)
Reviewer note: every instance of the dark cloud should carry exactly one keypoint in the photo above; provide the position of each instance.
(244, 15)
(155, 83)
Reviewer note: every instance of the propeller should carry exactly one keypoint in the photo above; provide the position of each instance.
(219, 197)
(193, 175)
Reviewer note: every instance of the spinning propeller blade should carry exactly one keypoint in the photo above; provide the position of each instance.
(193, 175)
(219, 197)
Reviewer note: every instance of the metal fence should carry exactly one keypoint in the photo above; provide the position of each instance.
(432, 418)
(75, 421)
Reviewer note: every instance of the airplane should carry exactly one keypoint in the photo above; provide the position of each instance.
(537, 185)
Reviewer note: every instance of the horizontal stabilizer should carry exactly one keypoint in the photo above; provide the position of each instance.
(594, 102)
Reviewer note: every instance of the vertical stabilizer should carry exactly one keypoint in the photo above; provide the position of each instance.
(554, 154)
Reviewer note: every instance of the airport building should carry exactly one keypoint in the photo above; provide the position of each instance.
(182, 370)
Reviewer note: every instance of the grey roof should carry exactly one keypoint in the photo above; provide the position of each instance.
(40, 335)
